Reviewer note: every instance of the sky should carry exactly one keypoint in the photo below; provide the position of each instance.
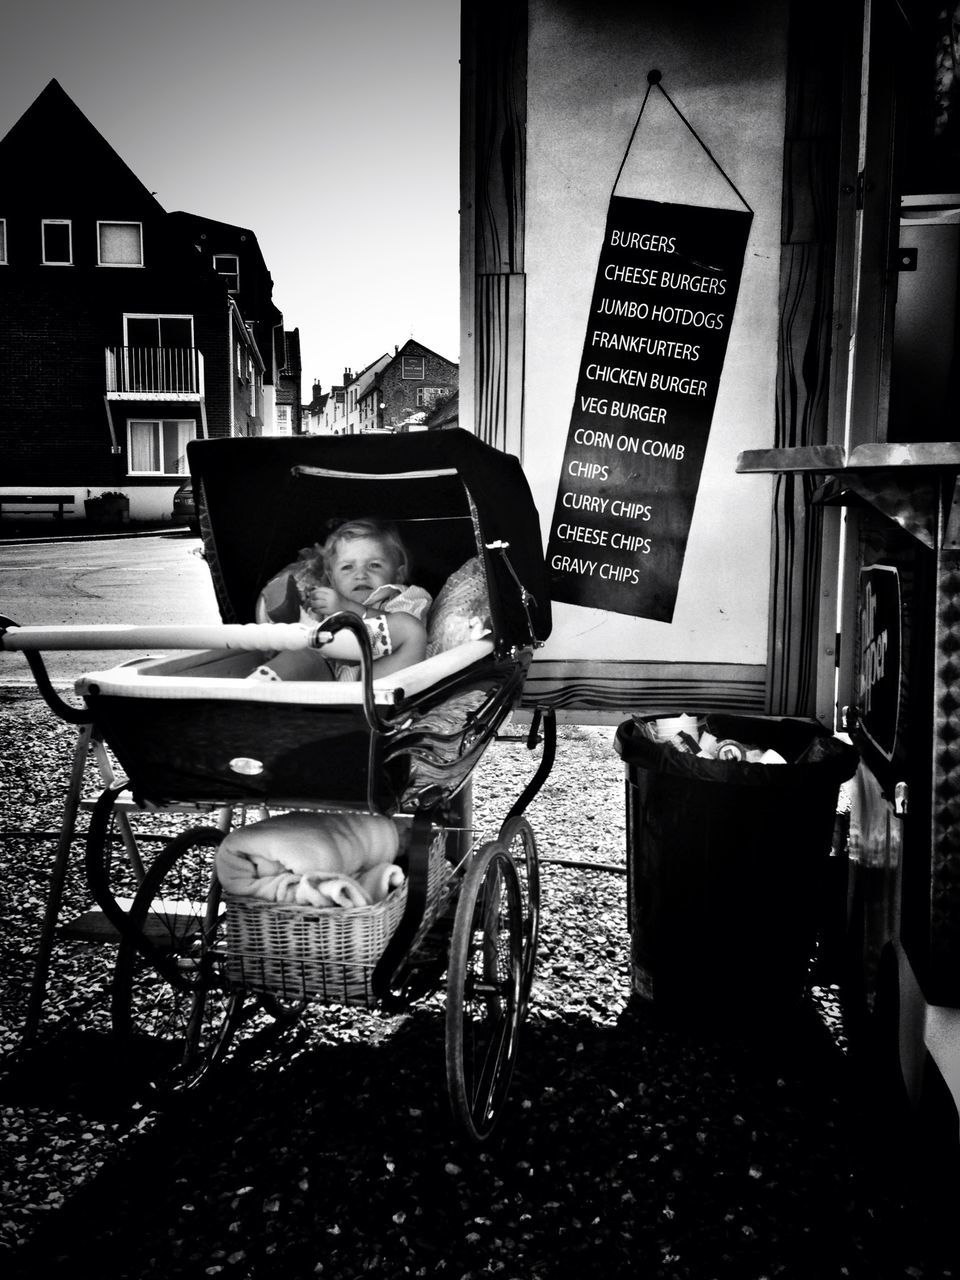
(330, 128)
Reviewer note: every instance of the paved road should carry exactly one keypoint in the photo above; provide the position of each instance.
(157, 578)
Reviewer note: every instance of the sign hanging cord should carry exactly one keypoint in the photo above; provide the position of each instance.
(654, 80)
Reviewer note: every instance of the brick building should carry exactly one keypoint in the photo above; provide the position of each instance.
(393, 393)
(289, 408)
(406, 388)
(125, 330)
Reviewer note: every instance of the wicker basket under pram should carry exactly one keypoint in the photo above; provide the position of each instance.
(297, 952)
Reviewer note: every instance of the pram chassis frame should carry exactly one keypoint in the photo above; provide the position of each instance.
(403, 746)
(476, 1115)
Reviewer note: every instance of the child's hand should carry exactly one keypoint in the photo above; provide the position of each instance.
(323, 601)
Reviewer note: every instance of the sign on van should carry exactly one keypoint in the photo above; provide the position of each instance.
(656, 338)
(879, 668)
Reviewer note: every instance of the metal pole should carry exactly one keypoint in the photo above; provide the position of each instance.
(55, 895)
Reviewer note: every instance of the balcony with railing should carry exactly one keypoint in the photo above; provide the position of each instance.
(154, 373)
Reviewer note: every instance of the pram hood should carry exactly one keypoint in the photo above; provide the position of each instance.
(261, 499)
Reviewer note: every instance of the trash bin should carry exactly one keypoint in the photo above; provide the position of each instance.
(725, 861)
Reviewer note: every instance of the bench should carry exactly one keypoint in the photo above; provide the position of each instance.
(58, 500)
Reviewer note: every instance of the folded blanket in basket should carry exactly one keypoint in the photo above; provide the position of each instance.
(313, 859)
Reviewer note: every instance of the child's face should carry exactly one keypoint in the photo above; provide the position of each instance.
(360, 565)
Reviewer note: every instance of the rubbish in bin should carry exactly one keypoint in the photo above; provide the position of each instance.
(663, 728)
(688, 734)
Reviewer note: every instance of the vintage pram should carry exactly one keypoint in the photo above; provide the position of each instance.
(191, 733)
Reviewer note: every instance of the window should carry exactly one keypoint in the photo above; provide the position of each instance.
(158, 330)
(228, 266)
(411, 367)
(283, 420)
(120, 244)
(3, 241)
(158, 353)
(57, 239)
(427, 397)
(159, 447)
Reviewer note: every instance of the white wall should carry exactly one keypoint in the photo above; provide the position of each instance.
(724, 67)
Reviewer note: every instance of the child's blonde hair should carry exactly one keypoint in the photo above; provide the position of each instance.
(381, 531)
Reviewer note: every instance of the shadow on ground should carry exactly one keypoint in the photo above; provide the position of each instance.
(641, 1148)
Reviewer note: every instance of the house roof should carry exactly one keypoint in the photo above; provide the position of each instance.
(366, 380)
(255, 296)
(75, 157)
(223, 236)
(412, 342)
(291, 352)
(446, 414)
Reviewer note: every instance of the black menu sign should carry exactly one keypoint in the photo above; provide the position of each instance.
(656, 338)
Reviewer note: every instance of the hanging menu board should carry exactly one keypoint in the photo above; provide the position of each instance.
(664, 298)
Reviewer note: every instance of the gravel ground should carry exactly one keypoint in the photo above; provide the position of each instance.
(633, 1144)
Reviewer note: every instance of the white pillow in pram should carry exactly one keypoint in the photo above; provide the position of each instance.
(461, 611)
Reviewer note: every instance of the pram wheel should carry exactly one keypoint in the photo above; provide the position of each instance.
(483, 991)
(114, 866)
(284, 1010)
(169, 995)
(516, 835)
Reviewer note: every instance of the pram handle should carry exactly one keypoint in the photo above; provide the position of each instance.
(239, 635)
(251, 636)
(72, 715)
(346, 621)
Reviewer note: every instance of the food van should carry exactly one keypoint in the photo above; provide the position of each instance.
(709, 277)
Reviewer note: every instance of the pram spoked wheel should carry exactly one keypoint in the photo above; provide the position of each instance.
(169, 996)
(516, 835)
(484, 998)
(114, 866)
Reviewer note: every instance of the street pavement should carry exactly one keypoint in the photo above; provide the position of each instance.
(157, 576)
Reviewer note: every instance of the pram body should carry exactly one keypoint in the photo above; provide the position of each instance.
(176, 724)
(192, 731)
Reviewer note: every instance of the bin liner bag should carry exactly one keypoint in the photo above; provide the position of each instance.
(725, 861)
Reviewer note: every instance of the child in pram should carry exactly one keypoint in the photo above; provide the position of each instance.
(361, 568)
